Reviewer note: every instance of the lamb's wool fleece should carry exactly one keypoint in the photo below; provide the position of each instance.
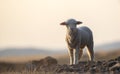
(77, 39)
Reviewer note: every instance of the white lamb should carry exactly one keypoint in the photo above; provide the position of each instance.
(77, 39)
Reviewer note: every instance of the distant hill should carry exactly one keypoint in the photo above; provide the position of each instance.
(28, 51)
(34, 51)
(108, 46)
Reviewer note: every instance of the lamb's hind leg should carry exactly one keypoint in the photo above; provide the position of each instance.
(90, 52)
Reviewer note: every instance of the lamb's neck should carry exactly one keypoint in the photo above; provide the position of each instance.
(72, 37)
(72, 34)
(71, 31)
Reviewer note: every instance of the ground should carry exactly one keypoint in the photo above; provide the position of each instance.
(50, 65)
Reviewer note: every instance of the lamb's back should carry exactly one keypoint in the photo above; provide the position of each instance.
(85, 34)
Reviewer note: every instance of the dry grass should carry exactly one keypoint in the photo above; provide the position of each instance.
(62, 59)
(21, 58)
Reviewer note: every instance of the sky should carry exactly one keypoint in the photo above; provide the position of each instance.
(36, 23)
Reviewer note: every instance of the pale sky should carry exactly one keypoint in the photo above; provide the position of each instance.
(35, 23)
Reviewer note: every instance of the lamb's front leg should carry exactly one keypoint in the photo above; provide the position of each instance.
(71, 56)
(76, 56)
(80, 53)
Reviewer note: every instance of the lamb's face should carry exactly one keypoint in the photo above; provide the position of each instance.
(71, 23)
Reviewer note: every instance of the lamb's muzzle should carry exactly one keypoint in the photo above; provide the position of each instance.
(77, 39)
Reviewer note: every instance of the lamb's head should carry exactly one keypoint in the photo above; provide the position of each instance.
(71, 23)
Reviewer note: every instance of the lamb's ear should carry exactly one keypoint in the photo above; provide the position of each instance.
(79, 22)
(63, 23)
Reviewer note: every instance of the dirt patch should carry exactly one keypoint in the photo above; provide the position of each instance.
(50, 64)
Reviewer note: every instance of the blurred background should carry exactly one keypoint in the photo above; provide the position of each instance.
(30, 28)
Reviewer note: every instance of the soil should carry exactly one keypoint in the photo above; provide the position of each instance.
(50, 64)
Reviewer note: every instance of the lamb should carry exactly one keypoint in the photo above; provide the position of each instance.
(77, 39)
